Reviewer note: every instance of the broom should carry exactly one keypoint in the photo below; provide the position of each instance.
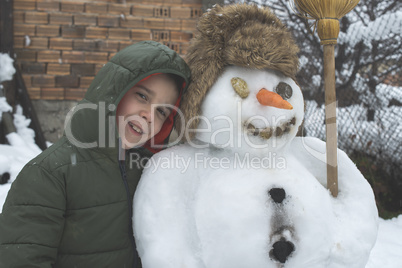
(327, 14)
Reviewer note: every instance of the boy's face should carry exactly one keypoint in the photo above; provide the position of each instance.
(142, 110)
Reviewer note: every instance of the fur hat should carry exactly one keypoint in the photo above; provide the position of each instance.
(237, 35)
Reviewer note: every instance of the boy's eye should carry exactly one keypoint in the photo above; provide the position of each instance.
(162, 112)
(142, 96)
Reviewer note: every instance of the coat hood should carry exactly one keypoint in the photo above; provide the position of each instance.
(235, 35)
(92, 124)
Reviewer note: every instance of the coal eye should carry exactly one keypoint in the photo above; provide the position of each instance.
(284, 90)
(240, 86)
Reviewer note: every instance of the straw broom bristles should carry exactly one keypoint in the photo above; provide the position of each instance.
(327, 14)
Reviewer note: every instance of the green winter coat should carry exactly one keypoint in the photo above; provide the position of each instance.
(71, 206)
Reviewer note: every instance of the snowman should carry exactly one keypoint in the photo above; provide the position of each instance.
(244, 191)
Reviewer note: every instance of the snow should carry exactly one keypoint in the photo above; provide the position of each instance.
(27, 40)
(379, 29)
(387, 93)
(6, 67)
(303, 60)
(21, 145)
(387, 250)
(20, 149)
(316, 79)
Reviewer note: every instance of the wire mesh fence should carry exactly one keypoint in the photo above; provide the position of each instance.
(369, 94)
(369, 111)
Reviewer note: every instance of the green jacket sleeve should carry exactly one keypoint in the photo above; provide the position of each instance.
(32, 219)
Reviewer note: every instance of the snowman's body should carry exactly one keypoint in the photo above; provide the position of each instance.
(238, 197)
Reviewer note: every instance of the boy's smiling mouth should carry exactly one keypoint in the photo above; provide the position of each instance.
(136, 128)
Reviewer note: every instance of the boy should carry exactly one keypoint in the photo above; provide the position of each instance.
(71, 205)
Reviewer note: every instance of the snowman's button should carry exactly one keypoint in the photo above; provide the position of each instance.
(281, 250)
(4, 178)
(277, 194)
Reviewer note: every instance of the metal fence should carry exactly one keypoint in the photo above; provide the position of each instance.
(370, 109)
(369, 94)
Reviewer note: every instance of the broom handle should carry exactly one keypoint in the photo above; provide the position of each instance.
(330, 119)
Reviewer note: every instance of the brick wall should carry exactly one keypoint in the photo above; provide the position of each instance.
(60, 45)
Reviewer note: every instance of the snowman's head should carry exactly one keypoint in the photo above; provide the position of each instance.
(251, 110)
(232, 61)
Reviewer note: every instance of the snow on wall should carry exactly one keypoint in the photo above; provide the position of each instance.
(6, 67)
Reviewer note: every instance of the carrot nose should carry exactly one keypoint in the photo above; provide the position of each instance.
(269, 98)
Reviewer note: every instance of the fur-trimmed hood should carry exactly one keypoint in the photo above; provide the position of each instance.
(240, 35)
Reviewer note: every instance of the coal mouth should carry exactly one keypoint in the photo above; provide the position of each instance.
(268, 132)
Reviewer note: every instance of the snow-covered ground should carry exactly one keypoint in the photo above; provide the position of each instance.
(387, 252)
